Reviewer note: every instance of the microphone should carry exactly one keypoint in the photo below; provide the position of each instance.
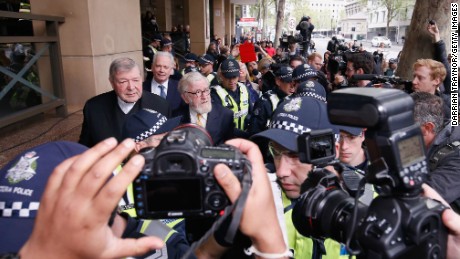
(372, 77)
(256, 73)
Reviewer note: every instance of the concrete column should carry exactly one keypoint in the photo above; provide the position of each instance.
(93, 35)
(199, 25)
(163, 14)
(218, 16)
(229, 30)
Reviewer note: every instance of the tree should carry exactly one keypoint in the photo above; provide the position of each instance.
(418, 43)
(279, 20)
(393, 7)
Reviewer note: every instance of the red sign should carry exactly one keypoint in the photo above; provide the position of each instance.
(247, 52)
(247, 19)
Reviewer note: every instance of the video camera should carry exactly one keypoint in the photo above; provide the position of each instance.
(396, 81)
(177, 179)
(399, 223)
(286, 40)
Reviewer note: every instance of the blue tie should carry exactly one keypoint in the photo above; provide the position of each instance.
(162, 91)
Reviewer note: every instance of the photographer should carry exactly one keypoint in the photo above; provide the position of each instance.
(333, 45)
(357, 63)
(306, 28)
(443, 147)
(290, 119)
(85, 178)
(51, 238)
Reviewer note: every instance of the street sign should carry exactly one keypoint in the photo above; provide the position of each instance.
(291, 24)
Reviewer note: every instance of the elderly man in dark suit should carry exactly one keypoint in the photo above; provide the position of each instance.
(105, 114)
(161, 83)
(218, 121)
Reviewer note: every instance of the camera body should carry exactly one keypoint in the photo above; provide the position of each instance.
(316, 147)
(177, 179)
(399, 223)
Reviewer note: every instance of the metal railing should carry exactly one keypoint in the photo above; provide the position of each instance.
(51, 92)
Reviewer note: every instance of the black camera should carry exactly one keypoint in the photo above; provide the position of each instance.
(399, 223)
(177, 179)
(316, 147)
(336, 64)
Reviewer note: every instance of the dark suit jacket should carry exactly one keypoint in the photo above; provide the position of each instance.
(100, 120)
(219, 123)
(172, 96)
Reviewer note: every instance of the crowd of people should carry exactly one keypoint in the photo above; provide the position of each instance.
(260, 107)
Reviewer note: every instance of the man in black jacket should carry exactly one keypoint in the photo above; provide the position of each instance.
(306, 28)
(444, 90)
(105, 114)
(443, 147)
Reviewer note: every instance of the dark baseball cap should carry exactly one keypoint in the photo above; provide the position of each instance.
(146, 123)
(206, 59)
(165, 42)
(157, 37)
(292, 118)
(22, 183)
(190, 57)
(230, 68)
(284, 73)
(350, 130)
(303, 73)
(312, 89)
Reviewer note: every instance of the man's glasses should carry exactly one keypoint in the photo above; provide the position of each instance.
(278, 152)
(349, 138)
(199, 93)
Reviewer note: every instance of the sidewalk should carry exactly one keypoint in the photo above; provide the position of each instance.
(38, 130)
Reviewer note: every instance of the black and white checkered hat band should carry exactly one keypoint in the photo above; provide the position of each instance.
(206, 60)
(152, 130)
(231, 70)
(19, 209)
(284, 76)
(314, 95)
(289, 126)
(308, 74)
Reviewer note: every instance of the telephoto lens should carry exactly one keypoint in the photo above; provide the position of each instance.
(324, 210)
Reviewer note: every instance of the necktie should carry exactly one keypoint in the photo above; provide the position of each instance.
(162, 91)
(200, 120)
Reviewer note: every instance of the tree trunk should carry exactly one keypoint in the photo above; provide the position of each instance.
(264, 12)
(279, 21)
(418, 42)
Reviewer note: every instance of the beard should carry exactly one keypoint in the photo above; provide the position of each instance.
(202, 108)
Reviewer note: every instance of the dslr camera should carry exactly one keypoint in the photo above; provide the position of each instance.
(177, 179)
(399, 223)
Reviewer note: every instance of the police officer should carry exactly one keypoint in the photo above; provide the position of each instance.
(233, 95)
(206, 63)
(264, 107)
(191, 60)
(149, 52)
(290, 119)
(152, 49)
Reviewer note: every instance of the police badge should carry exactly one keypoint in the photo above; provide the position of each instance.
(24, 169)
(293, 105)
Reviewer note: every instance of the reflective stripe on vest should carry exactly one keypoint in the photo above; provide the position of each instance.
(240, 111)
(211, 77)
(274, 99)
(303, 246)
(158, 229)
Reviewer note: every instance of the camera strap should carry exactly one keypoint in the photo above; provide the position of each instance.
(227, 225)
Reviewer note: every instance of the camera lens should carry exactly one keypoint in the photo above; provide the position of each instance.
(325, 212)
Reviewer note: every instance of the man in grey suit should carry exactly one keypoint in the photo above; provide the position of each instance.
(105, 114)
